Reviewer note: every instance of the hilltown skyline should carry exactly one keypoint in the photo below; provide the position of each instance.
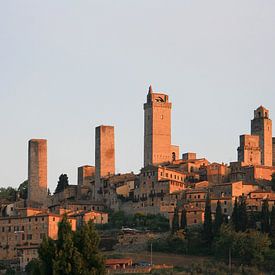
(52, 185)
(64, 77)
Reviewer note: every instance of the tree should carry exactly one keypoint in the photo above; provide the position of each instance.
(68, 260)
(87, 243)
(183, 221)
(248, 247)
(175, 222)
(243, 217)
(34, 267)
(236, 216)
(273, 182)
(9, 194)
(265, 223)
(23, 190)
(63, 182)
(272, 222)
(207, 225)
(218, 218)
(47, 254)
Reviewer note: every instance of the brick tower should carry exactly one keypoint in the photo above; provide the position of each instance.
(157, 130)
(37, 172)
(249, 151)
(104, 154)
(261, 126)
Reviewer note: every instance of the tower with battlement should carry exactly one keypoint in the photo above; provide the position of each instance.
(261, 126)
(157, 130)
(37, 172)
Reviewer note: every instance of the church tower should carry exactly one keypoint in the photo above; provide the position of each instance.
(157, 129)
(261, 126)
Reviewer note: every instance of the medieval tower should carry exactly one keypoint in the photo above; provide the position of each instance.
(104, 154)
(261, 126)
(37, 172)
(157, 130)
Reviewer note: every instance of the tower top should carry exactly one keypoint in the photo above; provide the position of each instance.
(261, 112)
(153, 97)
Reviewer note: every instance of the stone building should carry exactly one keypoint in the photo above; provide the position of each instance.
(273, 150)
(20, 236)
(249, 151)
(217, 173)
(86, 175)
(37, 172)
(157, 130)
(261, 126)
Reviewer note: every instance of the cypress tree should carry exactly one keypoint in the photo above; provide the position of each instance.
(272, 222)
(265, 223)
(87, 243)
(235, 216)
(175, 222)
(243, 217)
(207, 225)
(68, 260)
(218, 218)
(273, 182)
(183, 222)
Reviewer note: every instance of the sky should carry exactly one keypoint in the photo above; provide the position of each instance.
(68, 66)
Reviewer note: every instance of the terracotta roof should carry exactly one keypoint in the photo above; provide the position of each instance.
(118, 261)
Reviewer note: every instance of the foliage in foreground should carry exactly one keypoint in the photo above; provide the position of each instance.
(72, 253)
(117, 220)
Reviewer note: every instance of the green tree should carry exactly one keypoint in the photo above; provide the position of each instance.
(236, 216)
(183, 221)
(243, 217)
(9, 194)
(175, 222)
(272, 222)
(248, 247)
(68, 260)
(218, 218)
(34, 268)
(265, 223)
(273, 182)
(62, 183)
(47, 254)
(23, 190)
(87, 243)
(207, 225)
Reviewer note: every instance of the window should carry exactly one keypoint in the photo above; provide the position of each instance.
(199, 196)
(225, 210)
(195, 221)
(29, 237)
(225, 202)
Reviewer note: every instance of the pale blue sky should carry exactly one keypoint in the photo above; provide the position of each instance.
(68, 66)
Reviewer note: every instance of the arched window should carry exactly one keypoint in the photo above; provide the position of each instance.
(173, 156)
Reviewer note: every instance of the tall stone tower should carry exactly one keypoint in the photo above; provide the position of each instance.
(249, 151)
(104, 154)
(261, 126)
(157, 129)
(37, 172)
